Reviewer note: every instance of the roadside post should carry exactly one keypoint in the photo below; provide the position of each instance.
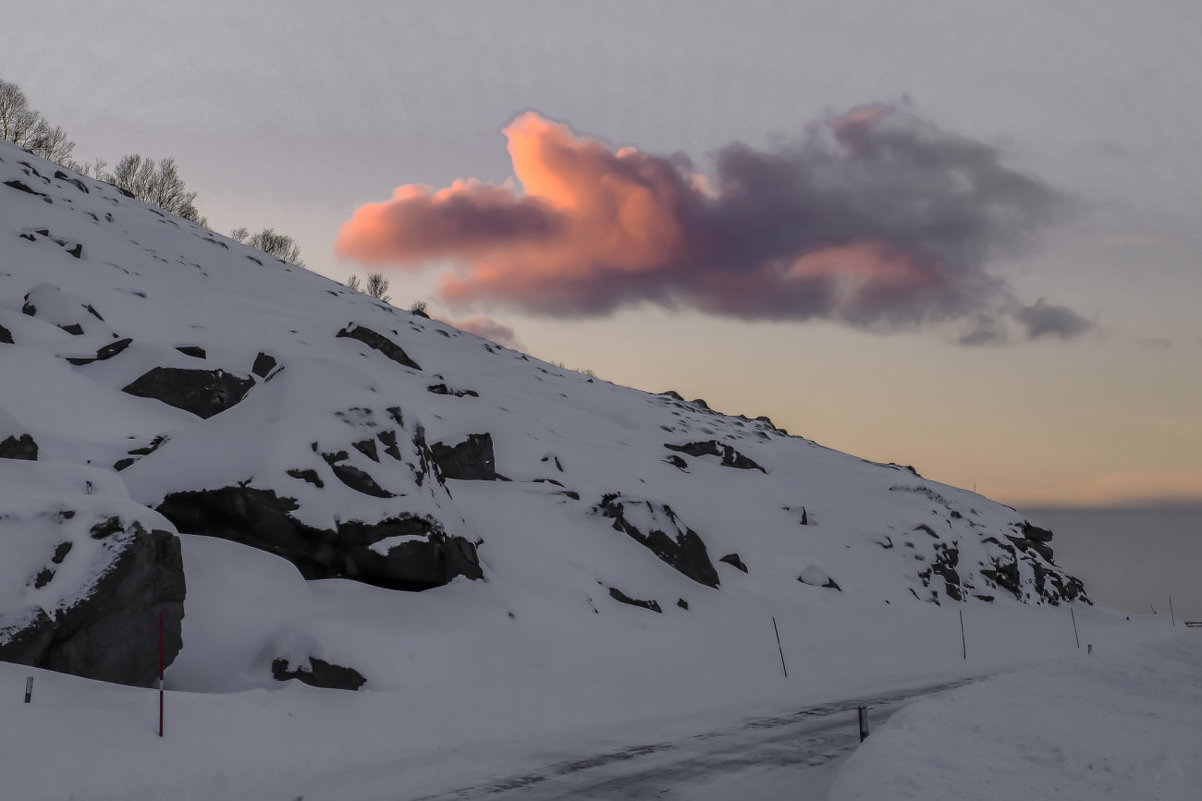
(28, 689)
(862, 715)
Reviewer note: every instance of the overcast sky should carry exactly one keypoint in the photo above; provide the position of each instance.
(1074, 126)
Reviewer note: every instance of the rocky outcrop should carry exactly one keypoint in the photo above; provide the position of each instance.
(318, 673)
(383, 344)
(657, 527)
(729, 456)
(403, 552)
(20, 446)
(204, 393)
(735, 561)
(623, 598)
(98, 617)
(470, 460)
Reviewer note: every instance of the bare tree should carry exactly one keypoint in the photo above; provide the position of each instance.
(418, 307)
(377, 287)
(158, 184)
(354, 283)
(26, 128)
(273, 244)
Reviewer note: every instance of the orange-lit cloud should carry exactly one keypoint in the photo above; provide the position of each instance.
(875, 218)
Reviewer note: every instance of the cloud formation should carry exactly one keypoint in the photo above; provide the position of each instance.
(875, 218)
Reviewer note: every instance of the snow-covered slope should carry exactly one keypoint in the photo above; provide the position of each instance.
(248, 399)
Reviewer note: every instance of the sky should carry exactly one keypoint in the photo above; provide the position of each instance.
(957, 235)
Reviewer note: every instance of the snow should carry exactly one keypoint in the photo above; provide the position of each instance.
(476, 679)
(1120, 723)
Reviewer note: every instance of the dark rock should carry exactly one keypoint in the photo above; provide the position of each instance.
(74, 329)
(262, 519)
(60, 552)
(470, 460)
(944, 566)
(924, 527)
(1035, 533)
(43, 578)
(319, 673)
(622, 597)
(6, 337)
(390, 444)
(204, 393)
(353, 477)
(673, 394)
(443, 389)
(112, 634)
(367, 447)
(75, 182)
(683, 549)
(307, 475)
(76, 251)
(123, 463)
(733, 560)
(23, 187)
(107, 352)
(263, 365)
(19, 447)
(379, 342)
(730, 457)
(805, 517)
(682, 603)
(677, 462)
(195, 351)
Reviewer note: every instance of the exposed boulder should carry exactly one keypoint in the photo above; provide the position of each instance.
(729, 456)
(106, 352)
(735, 561)
(195, 351)
(470, 460)
(99, 572)
(657, 527)
(318, 673)
(377, 341)
(19, 447)
(622, 597)
(263, 365)
(204, 393)
(6, 337)
(443, 389)
(404, 552)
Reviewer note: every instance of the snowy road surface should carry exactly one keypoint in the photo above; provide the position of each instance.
(792, 756)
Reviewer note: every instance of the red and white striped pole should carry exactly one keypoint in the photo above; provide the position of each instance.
(161, 666)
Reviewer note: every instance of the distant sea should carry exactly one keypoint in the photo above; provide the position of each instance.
(1130, 559)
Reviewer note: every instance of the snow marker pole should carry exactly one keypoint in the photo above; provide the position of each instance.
(160, 672)
(862, 715)
(963, 640)
(28, 689)
(1076, 637)
(779, 648)
(1172, 614)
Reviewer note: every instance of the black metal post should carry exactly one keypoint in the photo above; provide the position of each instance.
(28, 689)
(963, 641)
(862, 715)
(779, 648)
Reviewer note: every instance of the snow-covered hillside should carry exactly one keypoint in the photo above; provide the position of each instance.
(486, 542)
(248, 399)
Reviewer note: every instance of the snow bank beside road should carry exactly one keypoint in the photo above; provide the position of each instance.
(1124, 725)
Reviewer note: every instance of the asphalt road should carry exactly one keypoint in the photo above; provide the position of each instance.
(792, 756)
